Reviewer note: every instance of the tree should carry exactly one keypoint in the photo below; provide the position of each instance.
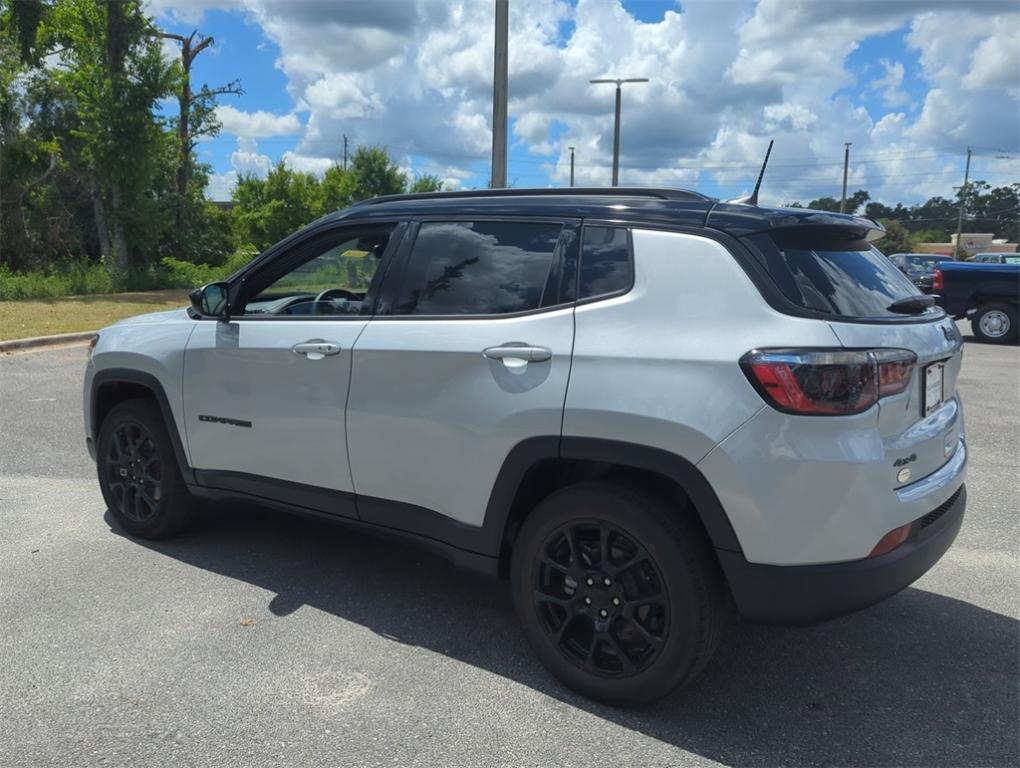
(426, 182)
(196, 117)
(897, 238)
(375, 174)
(26, 159)
(114, 74)
(269, 209)
(855, 201)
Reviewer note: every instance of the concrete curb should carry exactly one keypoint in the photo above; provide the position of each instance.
(45, 341)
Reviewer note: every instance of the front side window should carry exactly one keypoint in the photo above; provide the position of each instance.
(480, 268)
(605, 262)
(328, 277)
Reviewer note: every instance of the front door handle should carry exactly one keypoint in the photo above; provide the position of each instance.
(316, 349)
(518, 353)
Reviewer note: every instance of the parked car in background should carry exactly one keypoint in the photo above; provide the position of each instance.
(988, 294)
(997, 258)
(919, 267)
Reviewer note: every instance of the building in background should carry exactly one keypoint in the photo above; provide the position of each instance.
(973, 242)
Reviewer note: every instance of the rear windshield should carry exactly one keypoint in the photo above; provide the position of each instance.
(840, 277)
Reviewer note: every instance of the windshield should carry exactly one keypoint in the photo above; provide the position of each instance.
(923, 265)
(840, 277)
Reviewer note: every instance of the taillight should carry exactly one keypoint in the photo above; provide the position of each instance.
(824, 382)
(936, 281)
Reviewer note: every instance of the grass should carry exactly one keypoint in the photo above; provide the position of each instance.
(43, 317)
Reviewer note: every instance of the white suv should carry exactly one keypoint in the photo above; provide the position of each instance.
(637, 405)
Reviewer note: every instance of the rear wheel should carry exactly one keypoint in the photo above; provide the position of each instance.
(138, 472)
(995, 324)
(617, 591)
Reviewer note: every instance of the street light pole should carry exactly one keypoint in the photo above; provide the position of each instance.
(499, 95)
(571, 165)
(616, 125)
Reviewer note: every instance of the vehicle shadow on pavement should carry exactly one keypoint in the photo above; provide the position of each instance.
(921, 679)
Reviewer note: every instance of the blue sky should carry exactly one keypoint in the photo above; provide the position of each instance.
(910, 84)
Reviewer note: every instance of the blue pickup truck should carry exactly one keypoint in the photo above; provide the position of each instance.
(987, 294)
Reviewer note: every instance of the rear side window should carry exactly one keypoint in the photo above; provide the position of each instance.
(837, 276)
(480, 268)
(605, 262)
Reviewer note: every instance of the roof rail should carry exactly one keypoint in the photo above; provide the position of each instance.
(660, 194)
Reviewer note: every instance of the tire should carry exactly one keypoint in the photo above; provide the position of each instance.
(661, 569)
(995, 324)
(138, 472)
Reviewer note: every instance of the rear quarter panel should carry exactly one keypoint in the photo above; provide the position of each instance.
(658, 366)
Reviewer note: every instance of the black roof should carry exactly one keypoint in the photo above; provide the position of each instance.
(631, 205)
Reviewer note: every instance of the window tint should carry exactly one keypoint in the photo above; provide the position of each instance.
(331, 278)
(479, 268)
(848, 278)
(605, 261)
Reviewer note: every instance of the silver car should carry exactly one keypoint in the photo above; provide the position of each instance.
(639, 406)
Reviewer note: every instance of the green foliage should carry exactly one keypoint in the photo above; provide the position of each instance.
(375, 174)
(898, 239)
(79, 278)
(184, 274)
(986, 209)
(426, 183)
(853, 202)
(267, 210)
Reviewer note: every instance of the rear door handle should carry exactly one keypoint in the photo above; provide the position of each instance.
(525, 352)
(316, 349)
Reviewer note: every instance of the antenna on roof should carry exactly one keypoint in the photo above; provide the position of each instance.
(752, 199)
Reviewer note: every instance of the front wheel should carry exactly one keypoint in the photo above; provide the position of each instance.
(138, 472)
(617, 591)
(995, 324)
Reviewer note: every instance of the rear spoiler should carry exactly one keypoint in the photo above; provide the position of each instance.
(741, 220)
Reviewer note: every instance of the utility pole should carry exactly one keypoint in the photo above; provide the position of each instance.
(499, 95)
(616, 124)
(846, 166)
(571, 165)
(345, 151)
(963, 202)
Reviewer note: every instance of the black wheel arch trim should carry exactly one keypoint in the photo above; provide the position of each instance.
(680, 470)
(109, 376)
(492, 535)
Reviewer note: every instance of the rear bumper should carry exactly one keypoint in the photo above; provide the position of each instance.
(806, 594)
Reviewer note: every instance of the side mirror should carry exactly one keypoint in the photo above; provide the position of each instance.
(210, 300)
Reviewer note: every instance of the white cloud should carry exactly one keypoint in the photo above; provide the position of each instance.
(415, 77)
(189, 12)
(306, 164)
(247, 159)
(890, 85)
(221, 186)
(258, 124)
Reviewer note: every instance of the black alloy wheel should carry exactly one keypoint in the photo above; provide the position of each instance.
(138, 472)
(601, 598)
(134, 471)
(618, 590)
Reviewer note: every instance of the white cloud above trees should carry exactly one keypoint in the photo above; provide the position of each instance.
(726, 77)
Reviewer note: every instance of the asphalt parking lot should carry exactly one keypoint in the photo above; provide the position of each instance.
(262, 639)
